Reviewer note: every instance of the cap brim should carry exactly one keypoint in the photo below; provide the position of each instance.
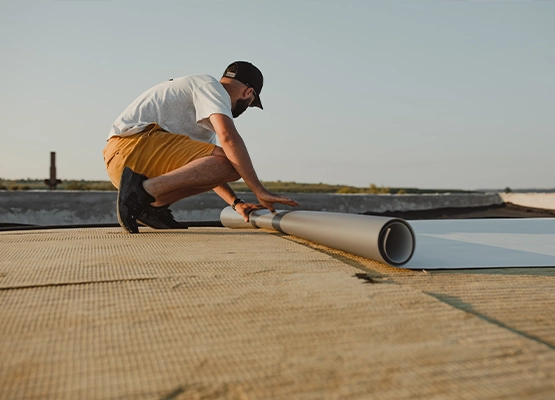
(257, 102)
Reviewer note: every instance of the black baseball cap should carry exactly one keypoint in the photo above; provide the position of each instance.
(248, 74)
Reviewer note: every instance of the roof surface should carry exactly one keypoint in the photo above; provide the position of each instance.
(210, 313)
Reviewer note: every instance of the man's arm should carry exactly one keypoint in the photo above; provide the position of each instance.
(229, 196)
(226, 193)
(237, 154)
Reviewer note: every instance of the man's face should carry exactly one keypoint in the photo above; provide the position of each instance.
(243, 103)
(240, 106)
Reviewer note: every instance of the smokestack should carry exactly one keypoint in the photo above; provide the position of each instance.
(52, 182)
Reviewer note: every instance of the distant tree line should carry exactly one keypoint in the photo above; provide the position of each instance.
(36, 184)
(274, 186)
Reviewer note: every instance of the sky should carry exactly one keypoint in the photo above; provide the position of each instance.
(427, 94)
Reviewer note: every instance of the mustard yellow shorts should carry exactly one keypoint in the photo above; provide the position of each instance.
(153, 152)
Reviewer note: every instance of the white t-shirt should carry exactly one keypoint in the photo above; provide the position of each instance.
(182, 105)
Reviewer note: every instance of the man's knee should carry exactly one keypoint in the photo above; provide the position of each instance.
(218, 151)
(233, 174)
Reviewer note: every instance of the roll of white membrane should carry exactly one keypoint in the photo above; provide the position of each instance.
(388, 240)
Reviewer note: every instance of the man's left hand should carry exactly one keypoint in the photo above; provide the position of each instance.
(244, 209)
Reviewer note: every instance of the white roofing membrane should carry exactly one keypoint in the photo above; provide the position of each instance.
(483, 243)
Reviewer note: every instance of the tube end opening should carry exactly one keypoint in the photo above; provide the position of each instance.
(397, 243)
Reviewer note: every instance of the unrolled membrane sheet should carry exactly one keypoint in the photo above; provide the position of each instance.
(484, 243)
(442, 244)
(388, 240)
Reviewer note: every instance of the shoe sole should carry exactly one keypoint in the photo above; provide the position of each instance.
(120, 201)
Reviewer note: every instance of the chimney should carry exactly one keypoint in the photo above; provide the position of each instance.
(52, 182)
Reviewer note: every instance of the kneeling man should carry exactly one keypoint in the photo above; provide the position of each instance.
(162, 147)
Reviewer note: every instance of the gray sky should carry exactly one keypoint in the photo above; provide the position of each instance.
(415, 94)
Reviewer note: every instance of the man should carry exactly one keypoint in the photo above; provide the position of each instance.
(162, 147)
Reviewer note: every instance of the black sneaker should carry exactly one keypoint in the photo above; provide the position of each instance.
(160, 218)
(133, 199)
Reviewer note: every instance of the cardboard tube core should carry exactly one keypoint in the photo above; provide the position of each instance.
(397, 243)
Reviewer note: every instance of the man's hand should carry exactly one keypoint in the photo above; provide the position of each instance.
(267, 199)
(244, 209)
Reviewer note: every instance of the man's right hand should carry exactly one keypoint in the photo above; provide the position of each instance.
(267, 199)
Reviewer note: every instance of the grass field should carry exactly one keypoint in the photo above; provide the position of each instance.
(275, 186)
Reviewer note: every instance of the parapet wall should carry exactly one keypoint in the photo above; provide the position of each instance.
(544, 201)
(89, 207)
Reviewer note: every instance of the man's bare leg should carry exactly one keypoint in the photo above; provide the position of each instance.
(176, 195)
(196, 177)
